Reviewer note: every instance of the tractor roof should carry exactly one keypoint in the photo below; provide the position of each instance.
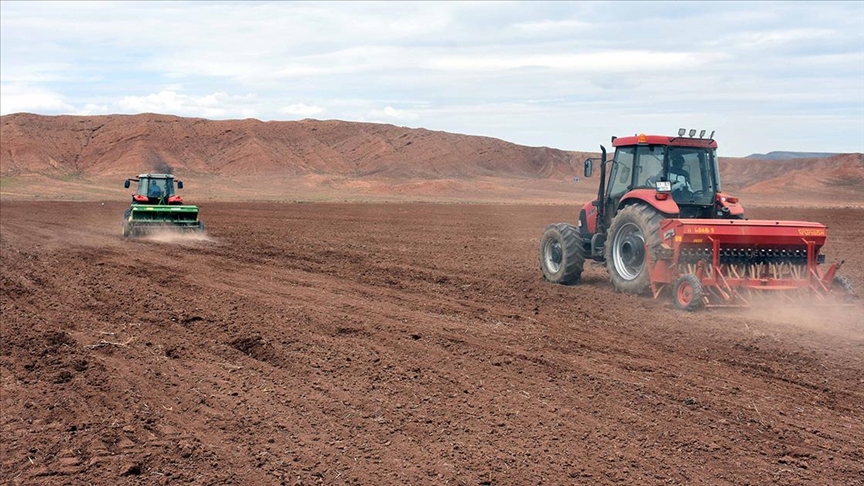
(643, 139)
(155, 176)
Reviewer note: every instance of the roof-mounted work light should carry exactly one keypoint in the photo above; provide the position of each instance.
(702, 134)
(681, 132)
(692, 132)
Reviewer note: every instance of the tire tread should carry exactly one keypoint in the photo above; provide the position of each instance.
(573, 255)
(649, 220)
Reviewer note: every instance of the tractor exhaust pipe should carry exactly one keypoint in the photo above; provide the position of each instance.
(601, 194)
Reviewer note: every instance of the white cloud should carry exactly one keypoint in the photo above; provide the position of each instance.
(16, 98)
(613, 61)
(216, 105)
(93, 109)
(29, 73)
(302, 110)
(547, 26)
(390, 113)
(537, 73)
(782, 36)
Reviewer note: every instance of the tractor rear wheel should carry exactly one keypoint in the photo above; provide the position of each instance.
(561, 254)
(688, 292)
(634, 228)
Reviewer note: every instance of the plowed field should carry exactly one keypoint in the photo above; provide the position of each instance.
(400, 344)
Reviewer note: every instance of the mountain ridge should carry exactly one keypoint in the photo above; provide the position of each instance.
(74, 156)
(788, 155)
(114, 144)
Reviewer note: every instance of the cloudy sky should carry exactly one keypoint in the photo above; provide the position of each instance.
(765, 76)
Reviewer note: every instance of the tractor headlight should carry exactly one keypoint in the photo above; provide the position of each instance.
(664, 186)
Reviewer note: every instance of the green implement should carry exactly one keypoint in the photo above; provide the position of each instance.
(143, 219)
(156, 206)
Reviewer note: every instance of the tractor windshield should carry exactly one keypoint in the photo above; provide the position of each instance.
(692, 171)
(156, 187)
(693, 174)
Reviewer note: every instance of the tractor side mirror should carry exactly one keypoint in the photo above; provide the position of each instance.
(179, 184)
(126, 184)
(589, 167)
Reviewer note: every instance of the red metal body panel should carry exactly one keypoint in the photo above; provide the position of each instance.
(747, 232)
(735, 258)
(735, 208)
(590, 217)
(648, 196)
(664, 140)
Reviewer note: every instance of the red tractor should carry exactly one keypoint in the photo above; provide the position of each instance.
(661, 221)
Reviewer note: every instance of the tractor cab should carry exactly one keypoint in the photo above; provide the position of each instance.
(691, 173)
(155, 189)
(678, 176)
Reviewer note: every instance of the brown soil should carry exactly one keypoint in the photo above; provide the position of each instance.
(399, 343)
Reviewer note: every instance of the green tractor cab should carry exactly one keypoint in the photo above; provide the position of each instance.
(157, 206)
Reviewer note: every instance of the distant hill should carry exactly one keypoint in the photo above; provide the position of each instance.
(790, 155)
(124, 145)
(838, 179)
(87, 157)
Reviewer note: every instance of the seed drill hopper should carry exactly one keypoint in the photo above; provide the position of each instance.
(156, 205)
(662, 225)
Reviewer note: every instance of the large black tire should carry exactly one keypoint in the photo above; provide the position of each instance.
(632, 228)
(562, 255)
(688, 292)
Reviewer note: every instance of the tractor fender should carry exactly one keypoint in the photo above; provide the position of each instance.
(731, 203)
(588, 219)
(649, 196)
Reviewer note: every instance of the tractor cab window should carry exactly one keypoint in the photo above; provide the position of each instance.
(622, 172)
(649, 165)
(155, 187)
(692, 173)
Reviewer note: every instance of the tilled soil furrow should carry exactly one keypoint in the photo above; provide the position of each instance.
(410, 343)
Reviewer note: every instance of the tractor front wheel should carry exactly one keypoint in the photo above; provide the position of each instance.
(688, 292)
(634, 229)
(561, 254)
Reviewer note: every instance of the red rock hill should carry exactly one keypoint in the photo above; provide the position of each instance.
(124, 144)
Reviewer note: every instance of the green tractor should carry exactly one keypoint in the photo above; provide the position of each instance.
(156, 205)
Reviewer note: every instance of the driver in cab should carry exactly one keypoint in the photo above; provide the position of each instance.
(678, 175)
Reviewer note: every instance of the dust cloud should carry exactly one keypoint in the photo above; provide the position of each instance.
(175, 237)
(827, 316)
